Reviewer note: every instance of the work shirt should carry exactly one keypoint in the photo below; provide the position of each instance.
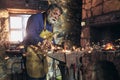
(35, 25)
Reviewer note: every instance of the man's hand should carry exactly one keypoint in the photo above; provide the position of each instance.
(45, 45)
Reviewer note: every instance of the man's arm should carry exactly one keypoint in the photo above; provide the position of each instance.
(34, 27)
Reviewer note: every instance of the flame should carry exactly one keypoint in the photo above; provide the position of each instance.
(109, 46)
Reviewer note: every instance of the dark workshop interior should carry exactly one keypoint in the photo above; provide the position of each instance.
(87, 42)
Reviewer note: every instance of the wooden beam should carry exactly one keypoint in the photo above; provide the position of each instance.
(23, 11)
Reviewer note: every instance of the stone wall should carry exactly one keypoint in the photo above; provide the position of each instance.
(3, 30)
(69, 23)
(3, 41)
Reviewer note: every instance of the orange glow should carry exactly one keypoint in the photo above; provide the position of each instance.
(66, 51)
(109, 46)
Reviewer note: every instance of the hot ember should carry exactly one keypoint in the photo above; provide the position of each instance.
(109, 46)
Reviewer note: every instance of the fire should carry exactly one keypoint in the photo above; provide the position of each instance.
(109, 46)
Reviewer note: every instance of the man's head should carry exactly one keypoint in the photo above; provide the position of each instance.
(53, 13)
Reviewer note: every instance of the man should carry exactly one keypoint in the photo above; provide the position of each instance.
(39, 29)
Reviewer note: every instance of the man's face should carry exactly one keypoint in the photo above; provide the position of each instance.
(53, 15)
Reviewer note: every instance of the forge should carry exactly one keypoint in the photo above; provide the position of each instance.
(102, 30)
(105, 33)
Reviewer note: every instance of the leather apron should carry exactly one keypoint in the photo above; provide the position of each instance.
(38, 67)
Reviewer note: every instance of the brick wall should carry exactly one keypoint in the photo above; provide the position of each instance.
(97, 13)
(92, 8)
(89, 60)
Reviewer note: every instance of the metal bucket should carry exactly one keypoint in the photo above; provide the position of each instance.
(13, 65)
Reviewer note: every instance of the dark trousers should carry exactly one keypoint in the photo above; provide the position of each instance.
(30, 78)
